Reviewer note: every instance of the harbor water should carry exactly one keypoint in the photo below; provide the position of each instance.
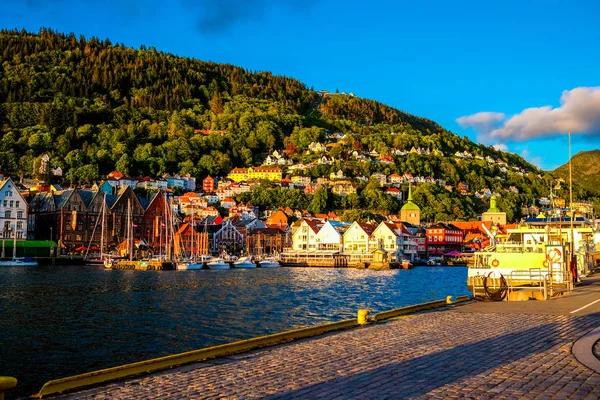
(61, 321)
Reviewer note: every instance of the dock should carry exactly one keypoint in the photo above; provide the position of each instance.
(151, 265)
(533, 350)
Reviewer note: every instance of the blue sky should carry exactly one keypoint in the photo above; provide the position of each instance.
(520, 73)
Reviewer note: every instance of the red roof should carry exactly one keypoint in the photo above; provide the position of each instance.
(368, 228)
(116, 175)
(314, 225)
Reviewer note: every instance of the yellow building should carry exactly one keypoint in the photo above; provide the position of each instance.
(246, 174)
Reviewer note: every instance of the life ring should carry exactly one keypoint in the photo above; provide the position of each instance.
(554, 255)
(545, 263)
(495, 262)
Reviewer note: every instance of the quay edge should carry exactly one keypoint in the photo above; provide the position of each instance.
(80, 381)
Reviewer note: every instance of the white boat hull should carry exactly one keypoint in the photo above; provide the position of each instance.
(189, 266)
(218, 266)
(18, 263)
(269, 264)
(218, 263)
(245, 265)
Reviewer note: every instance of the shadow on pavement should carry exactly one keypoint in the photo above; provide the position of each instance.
(418, 376)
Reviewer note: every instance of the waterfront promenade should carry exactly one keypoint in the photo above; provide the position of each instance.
(472, 350)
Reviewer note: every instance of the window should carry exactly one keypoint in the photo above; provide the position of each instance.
(17, 203)
(7, 214)
(19, 214)
(11, 203)
(20, 225)
(19, 235)
(5, 203)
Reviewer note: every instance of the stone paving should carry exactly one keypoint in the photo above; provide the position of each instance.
(441, 354)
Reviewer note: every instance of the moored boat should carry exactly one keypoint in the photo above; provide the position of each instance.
(269, 262)
(18, 262)
(184, 265)
(244, 263)
(218, 263)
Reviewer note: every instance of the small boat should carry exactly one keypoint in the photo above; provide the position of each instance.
(269, 262)
(406, 264)
(189, 264)
(18, 262)
(244, 262)
(218, 263)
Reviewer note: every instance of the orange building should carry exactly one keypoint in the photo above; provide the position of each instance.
(208, 184)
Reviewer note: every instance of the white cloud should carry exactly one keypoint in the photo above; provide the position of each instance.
(500, 146)
(482, 121)
(579, 112)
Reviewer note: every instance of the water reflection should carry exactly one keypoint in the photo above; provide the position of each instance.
(59, 321)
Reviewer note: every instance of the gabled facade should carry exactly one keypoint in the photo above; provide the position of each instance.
(267, 240)
(388, 239)
(305, 236)
(155, 221)
(330, 236)
(228, 238)
(13, 212)
(359, 239)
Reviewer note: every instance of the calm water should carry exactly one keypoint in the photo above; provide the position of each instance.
(60, 321)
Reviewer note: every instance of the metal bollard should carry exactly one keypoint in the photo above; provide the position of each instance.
(6, 382)
(362, 317)
(449, 300)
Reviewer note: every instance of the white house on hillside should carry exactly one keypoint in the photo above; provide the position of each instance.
(13, 211)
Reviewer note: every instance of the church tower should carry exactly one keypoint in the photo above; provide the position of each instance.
(410, 212)
(494, 214)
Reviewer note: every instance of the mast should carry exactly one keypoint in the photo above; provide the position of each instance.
(193, 253)
(103, 223)
(129, 231)
(572, 246)
(15, 238)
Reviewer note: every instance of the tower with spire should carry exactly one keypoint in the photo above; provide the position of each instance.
(494, 214)
(410, 212)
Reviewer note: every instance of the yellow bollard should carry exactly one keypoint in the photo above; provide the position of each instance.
(6, 382)
(362, 317)
(449, 300)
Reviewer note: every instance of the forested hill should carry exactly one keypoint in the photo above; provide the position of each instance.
(586, 170)
(94, 107)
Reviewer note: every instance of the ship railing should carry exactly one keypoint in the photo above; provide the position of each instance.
(532, 278)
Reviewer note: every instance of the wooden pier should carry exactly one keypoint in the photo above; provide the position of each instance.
(144, 265)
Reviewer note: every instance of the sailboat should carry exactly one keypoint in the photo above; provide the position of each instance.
(17, 261)
(191, 262)
(102, 260)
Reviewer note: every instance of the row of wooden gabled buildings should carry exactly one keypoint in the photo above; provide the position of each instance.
(76, 218)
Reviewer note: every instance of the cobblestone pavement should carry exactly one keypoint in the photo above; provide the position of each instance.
(441, 355)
